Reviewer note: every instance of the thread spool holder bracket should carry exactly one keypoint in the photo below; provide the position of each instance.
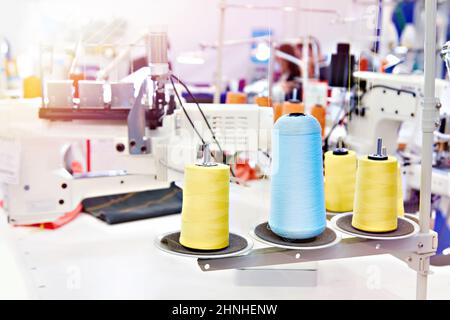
(413, 251)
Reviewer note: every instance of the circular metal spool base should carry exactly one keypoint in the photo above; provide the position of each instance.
(406, 228)
(263, 234)
(170, 243)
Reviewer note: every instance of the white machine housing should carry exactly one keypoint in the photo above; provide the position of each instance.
(239, 128)
(386, 110)
(45, 190)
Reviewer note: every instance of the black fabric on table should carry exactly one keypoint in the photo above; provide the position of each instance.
(134, 206)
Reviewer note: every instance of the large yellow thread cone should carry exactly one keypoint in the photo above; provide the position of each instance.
(204, 217)
(400, 204)
(376, 203)
(340, 176)
(32, 87)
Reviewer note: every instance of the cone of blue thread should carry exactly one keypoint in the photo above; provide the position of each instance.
(297, 190)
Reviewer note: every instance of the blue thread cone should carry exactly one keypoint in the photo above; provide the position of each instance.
(297, 196)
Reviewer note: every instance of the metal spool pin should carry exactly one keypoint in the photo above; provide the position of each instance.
(207, 160)
(340, 150)
(381, 153)
(295, 96)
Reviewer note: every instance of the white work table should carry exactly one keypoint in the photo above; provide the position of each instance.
(88, 259)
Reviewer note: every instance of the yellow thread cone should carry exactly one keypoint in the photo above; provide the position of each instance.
(376, 203)
(400, 205)
(340, 175)
(204, 217)
(32, 87)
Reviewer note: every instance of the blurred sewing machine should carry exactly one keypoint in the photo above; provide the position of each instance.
(38, 155)
(43, 182)
(382, 103)
(55, 154)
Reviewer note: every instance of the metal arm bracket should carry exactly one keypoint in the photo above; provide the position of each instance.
(430, 114)
(411, 250)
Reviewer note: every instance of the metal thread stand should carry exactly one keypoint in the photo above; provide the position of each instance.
(224, 6)
(415, 251)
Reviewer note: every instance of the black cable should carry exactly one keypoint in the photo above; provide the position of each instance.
(192, 123)
(266, 154)
(199, 109)
(185, 112)
(382, 86)
(338, 122)
(203, 115)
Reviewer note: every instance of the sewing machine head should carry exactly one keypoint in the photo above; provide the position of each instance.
(383, 102)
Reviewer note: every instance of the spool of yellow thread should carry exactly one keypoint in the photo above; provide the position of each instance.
(400, 204)
(205, 207)
(376, 203)
(340, 175)
(32, 87)
(236, 98)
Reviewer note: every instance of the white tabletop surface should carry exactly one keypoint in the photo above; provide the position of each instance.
(88, 259)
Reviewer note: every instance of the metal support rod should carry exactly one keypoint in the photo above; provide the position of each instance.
(305, 71)
(218, 82)
(422, 280)
(420, 245)
(428, 126)
(235, 42)
(282, 8)
(270, 69)
(104, 73)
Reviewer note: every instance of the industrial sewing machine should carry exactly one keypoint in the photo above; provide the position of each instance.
(41, 186)
(382, 103)
(145, 135)
(39, 143)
